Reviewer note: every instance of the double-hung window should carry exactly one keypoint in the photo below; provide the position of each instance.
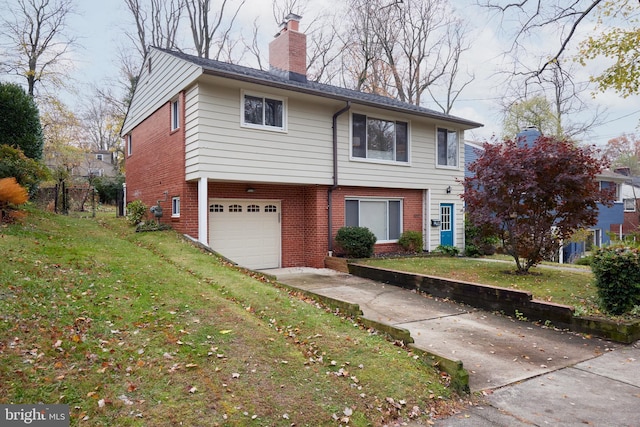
(447, 147)
(382, 216)
(175, 114)
(379, 139)
(611, 187)
(266, 112)
(629, 205)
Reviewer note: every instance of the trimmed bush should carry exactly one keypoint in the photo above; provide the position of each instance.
(478, 242)
(411, 241)
(136, 211)
(617, 276)
(357, 242)
(448, 250)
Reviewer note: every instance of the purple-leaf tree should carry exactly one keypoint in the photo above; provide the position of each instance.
(533, 196)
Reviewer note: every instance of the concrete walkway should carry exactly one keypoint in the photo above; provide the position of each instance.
(530, 375)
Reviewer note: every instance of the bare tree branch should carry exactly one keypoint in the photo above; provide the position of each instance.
(36, 39)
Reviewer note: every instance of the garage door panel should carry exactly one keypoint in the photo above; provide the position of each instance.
(246, 231)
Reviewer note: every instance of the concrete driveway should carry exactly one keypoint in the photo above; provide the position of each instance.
(531, 375)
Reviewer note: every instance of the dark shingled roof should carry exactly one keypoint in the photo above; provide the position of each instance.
(238, 72)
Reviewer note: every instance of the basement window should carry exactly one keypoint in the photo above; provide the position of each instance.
(175, 207)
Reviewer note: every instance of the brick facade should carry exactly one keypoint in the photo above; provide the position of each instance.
(305, 216)
(157, 165)
(156, 168)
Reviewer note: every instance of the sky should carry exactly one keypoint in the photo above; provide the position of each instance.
(99, 26)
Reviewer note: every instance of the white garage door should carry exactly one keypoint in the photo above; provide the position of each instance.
(246, 231)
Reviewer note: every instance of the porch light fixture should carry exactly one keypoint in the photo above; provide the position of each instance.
(449, 190)
(251, 190)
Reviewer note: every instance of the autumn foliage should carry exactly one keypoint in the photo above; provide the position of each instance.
(11, 193)
(534, 196)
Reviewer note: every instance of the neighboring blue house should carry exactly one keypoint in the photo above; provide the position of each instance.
(472, 150)
(610, 219)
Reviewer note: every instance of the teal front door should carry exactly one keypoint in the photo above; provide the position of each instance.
(446, 224)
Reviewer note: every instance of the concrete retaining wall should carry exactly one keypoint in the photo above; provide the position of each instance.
(505, 300)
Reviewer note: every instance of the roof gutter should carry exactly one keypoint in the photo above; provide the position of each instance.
(335, 176)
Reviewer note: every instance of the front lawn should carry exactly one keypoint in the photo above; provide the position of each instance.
(571, 287)
(144, 329)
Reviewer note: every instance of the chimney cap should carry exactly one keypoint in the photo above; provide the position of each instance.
(290, 22)
(292, 17)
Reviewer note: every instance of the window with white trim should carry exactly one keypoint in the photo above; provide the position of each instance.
(629, 205)
(447, 147)
(264, 112)
(382, 216)
(611, 185)
(99, 157)
(379, 139)
(175, 114)
(129, 145)
(175, 207)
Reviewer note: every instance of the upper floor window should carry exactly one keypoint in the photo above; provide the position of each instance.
(175, 114)
(447, 147)
(264, 112)
(611, 186)
(99, 157)
(629, 205)
(379, 139)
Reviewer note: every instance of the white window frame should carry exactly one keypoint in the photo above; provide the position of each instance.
(175, 207)
(616, 186)
(129, 145)
(457, 154)
(283, 100)
(175, 114)
(99, 157)
(368, 158)
(631, 202)
(361, 200)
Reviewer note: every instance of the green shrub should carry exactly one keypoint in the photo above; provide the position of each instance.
(411, 241)
(136, 211)
(448, 250)
(471, 250)
(152, 225)
(617, 276)
(28, 172)
(585, 260)
(357, 242)
(478, 241)
(108, 188)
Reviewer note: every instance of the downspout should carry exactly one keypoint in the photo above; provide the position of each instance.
(335, 176)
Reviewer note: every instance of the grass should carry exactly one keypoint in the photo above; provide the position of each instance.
(137, 329)
(574, 287)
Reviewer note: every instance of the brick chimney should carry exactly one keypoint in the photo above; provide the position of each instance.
(288, 51)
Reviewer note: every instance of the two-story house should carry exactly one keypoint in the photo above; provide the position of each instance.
(264, 167)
